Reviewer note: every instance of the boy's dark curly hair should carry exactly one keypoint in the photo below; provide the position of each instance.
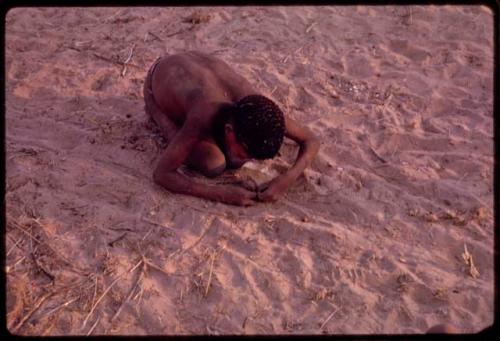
(260, 125)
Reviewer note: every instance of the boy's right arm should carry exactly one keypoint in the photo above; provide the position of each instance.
(174, 156)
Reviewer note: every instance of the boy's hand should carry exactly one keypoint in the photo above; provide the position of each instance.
(239, 196)
(271, 191)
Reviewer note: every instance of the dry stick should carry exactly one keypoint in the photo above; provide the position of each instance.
(377, 156)
(107, 290)
(31, 240)
(41, 268)
(463, 177)
(95, 291)
(274, 89)
(32, 237)
(112, 16)
(154, 266)
(17, 262)
(146, 234)
(129, 296)
(13, 246)
(120, 229)
(468, 261)
(310, 27)
(155, 36)
(137, 294)
(50, 312)
(128, 60)
(93, 326)
(210, 274)
(155, 223)
(173, 34)
(180, 31)
(31, 312)
(328, 318)
(114, 61)
(53, 250)
(117, 239)
(296, 51)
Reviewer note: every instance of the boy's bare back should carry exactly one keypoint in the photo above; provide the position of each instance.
(182, 81)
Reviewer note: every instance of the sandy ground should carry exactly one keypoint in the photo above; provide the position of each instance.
(389, 231)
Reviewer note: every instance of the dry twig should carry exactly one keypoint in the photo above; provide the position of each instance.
(181, 31)
(155, 36)
(289, 55)
(210, 274)
(31, 312)
(94, 325)
(470, 263)
(154, 266)
(13, 246)
(274, 89)
(42, 268)
(155, 223)
(33, 238)
(129, 296)
(13, 266)
(128, 60)
(95, 291)
(377, 156)
(328, 318)
(310, 27)
(107, 290)
(52, 311)
(114, 61)
(111, 243)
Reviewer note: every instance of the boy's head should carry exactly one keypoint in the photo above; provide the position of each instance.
(254, 130)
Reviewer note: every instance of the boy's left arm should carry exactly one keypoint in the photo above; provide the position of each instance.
(309, 146)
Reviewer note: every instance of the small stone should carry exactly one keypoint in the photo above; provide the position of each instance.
(481, 213)
(459, 221)
(431, 217)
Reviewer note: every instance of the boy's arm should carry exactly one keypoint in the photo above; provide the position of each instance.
(309, 146)
(177, 152)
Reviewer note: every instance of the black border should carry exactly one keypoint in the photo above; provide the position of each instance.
(490, 333)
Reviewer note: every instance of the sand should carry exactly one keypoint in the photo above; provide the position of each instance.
(389, 231)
